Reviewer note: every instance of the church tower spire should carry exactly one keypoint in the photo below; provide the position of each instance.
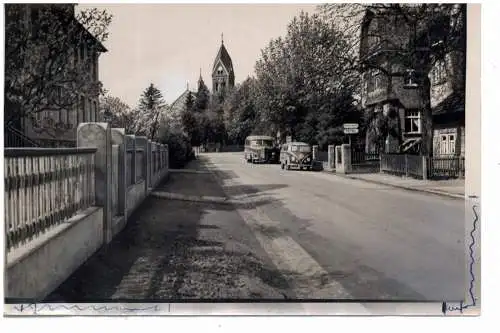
(222, 71)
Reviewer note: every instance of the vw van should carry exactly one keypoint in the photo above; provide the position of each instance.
(296, 155)
(261, 148)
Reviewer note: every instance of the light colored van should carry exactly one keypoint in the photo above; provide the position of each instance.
(296, 155)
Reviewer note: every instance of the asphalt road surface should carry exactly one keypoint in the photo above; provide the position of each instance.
(283, 235)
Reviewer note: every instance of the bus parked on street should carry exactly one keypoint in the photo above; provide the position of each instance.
(261, 149)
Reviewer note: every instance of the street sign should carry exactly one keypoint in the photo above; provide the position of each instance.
(351, 130)
(351, 125)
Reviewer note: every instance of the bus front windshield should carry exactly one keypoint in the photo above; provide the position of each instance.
(264, 143)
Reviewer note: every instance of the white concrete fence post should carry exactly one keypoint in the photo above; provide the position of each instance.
(168, 158)
(158, 160)
(130, 149)
(331, 156)
(149, 162)
(343, 159)
(141, 142)
(161, 157)
(315, 152)
(98, 135)
(118, 138)
(164, 157)
(155, 164)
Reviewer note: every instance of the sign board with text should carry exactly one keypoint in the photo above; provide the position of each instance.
(351, 125)
(351, 130)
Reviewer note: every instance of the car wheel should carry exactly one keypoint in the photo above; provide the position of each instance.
(288, 166)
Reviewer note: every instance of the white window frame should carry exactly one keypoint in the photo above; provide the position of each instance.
(447, 143)
(412, 115)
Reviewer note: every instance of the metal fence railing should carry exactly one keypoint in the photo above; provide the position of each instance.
(45, 187)
(359, 157)
(393, 163)
(415, 166)
(423, 167)
(447, 167)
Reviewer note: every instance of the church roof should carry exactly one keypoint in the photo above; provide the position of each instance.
(224, 57)
(181, 100)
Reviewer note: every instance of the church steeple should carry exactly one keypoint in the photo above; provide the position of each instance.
(222, 72)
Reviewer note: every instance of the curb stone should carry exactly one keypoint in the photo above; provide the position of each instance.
(408, 188)
(194, 198)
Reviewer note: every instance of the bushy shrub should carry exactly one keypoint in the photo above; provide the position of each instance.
(179, 147)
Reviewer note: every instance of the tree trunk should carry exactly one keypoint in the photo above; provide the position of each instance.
(155, 126)
(426, 116)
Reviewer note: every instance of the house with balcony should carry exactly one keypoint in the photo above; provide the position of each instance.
(383, 47)
(67, 103)
(395, 112)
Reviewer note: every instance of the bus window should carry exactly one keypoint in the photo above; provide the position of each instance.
(267, 143)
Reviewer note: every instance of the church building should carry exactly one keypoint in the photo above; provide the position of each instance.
(222, 72)
(222, 83)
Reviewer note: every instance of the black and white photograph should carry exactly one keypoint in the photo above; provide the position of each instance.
(271, 158)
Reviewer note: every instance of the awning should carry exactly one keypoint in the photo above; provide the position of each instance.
(410, 143)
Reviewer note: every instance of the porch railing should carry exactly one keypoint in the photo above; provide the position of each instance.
(44, 188)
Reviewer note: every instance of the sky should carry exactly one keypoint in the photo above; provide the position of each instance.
(167, 44)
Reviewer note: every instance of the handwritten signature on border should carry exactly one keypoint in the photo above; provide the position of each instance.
(462, 306)
(36, 308)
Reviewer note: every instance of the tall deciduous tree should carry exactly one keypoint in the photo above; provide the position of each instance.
(118, 113)
(302, 73)
(44, 70)
(240, 112)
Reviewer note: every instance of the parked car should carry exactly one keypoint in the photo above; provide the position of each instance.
(261, 148)
(296, 155)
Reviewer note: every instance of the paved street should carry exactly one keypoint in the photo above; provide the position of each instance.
(283, 234)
